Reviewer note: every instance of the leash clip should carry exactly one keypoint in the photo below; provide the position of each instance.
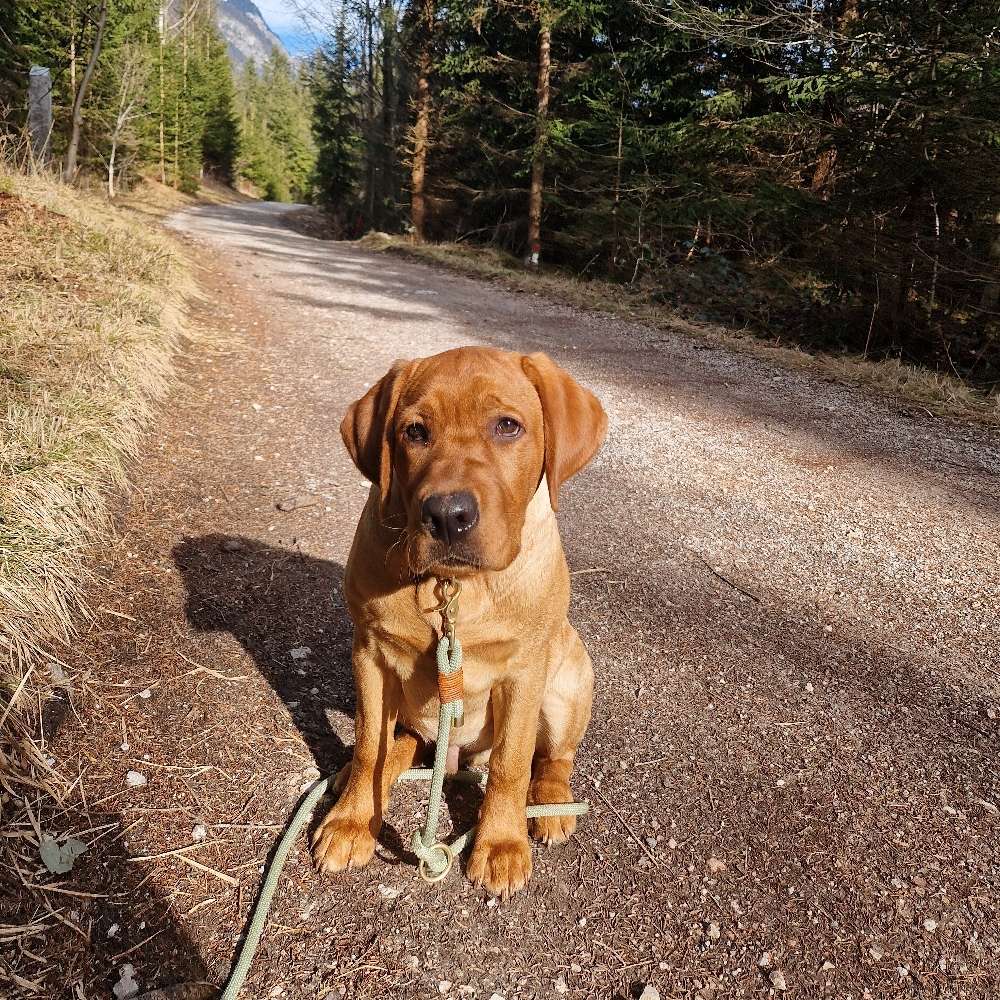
(448, 607)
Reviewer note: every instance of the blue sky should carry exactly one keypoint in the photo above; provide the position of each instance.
(286, 24)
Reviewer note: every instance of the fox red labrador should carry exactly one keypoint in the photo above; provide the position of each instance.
(466, 451)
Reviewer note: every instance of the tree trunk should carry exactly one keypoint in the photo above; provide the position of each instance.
(371, 169)
(111, 166)
(541, 135)
(388, 107)
(991, 290)
(163, 151)
(73, 148)
(421, 129)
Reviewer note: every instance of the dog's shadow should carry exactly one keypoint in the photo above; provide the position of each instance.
(287, 610)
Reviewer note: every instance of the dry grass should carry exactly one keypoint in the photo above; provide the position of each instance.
(154, 200)
(89, 322)
(935, 393)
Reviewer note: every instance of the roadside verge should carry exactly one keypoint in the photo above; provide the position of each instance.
(90, 324)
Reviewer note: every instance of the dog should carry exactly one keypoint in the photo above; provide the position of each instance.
(466, 452)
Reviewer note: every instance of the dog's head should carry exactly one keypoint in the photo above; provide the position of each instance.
(458, 444)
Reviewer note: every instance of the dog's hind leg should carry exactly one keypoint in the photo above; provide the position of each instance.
(406, 750)
(561, 725)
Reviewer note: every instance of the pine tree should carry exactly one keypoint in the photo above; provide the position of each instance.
(334, 81)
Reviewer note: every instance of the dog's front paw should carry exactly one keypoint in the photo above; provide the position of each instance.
(502, 866)
(342, 841)
(550, 829)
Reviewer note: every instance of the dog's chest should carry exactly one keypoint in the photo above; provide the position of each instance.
(420, 703)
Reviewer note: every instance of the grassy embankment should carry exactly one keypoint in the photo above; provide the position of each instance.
(91, 300)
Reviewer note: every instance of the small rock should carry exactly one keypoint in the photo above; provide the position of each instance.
(290, 504)
(575, 967)
(716, 865)
(300, 653)
(714, 931)
(876, 953)
(560, 985)
(199, 832)
(113, 930)
(930, 925)
(256, 407)
(672, 844)
(650, 992)
(777, 978)
(127, 985)
(764, 962)
(60, 858)
(388, 892)
(232, 545)
(827, 966)
(444, 986)
(147, 693)
(135, 779)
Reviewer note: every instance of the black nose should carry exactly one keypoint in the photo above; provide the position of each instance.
(449, 515)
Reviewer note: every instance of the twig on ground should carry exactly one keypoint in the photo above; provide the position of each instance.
(201, 669)
(726, 580)
(211, 871)
(136, 947)
(621, 819)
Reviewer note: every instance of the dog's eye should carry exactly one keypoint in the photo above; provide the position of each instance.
(508, 427)
(417, 433)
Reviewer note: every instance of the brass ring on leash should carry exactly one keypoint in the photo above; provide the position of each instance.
(427, 875)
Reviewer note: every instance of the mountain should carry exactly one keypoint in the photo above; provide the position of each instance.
(245, 32)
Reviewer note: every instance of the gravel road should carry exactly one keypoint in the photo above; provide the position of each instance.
(789, 589)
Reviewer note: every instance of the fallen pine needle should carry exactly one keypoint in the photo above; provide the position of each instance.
(211, 871)
(174, 852)
(117, 614)
(621, 819)
(202, 669)
(69, 892)
(200, 906)
(136, 947)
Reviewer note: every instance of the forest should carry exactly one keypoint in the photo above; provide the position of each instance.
(822, 173)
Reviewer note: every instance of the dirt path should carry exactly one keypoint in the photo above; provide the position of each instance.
(789, 591)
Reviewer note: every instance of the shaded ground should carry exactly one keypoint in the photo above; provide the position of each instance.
(789, 591)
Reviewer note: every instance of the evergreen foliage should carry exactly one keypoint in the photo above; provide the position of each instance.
(278, 154)
(828, 171)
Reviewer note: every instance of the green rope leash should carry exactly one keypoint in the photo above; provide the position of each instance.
(435, 858)
(255, 930)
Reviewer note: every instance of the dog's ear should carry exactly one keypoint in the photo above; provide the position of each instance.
(574, 421)
(367, 427)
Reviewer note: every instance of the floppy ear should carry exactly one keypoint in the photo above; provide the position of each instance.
(574, 420)
(367, 427)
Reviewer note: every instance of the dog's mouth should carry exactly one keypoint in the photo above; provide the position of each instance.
(453, 557)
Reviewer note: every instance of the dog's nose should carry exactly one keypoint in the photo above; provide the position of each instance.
(449, 515)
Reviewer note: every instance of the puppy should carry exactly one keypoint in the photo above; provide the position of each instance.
(466, 451)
